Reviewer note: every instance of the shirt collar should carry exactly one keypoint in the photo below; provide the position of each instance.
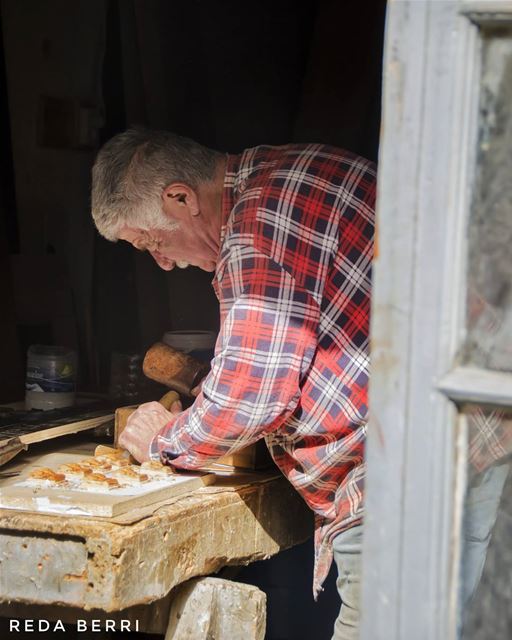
(228, 198)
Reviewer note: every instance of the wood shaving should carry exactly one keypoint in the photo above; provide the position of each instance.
(97, 463)
(45, 477)
(131, 475)
(75, 470)
(95, 480)
(47, 474)
(157, 469)
(113, 460)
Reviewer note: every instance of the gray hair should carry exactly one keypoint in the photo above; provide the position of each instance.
(131, 171)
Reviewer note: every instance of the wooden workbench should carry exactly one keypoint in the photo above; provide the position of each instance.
(83, 563)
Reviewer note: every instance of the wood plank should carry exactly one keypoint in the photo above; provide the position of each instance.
(10, 449)
(128, 565)
(102, 502)
(471, 384)
(65, 429)
(46, 427)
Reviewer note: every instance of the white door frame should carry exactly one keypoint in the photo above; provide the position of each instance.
(416, 449)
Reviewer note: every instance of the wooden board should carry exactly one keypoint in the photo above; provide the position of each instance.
(103, 502)
(30, 433)
(96, 564)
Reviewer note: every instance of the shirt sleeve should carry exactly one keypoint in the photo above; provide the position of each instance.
(265, 347)
(490, 438)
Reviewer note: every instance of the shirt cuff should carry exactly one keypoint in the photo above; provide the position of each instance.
(154, 449)
(162, 456)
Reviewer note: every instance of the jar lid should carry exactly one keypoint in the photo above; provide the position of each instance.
(55, 351)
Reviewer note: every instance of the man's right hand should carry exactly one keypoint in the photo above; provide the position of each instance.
(143, 425)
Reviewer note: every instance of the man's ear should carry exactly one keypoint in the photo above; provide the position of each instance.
(178, 198)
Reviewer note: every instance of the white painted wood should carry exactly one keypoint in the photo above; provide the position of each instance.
(397, 184)
(416, 458)
(487, 11)
(470, 384)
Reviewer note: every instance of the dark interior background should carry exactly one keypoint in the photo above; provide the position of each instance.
(231, 74)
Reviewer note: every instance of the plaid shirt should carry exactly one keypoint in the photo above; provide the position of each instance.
(489, 436)
(291, 360)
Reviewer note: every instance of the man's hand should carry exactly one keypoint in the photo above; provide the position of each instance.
(143, 425)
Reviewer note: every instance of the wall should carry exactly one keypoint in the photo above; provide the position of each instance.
(55, 49)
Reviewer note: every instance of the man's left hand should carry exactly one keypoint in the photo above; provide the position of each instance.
(143, 425)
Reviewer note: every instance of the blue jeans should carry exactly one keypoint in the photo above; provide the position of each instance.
(347, 555)
(480, 512)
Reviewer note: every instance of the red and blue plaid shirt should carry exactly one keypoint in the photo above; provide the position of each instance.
(291, 360)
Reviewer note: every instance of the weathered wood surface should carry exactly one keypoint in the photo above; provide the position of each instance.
(206, 608)
(37, 430)
(88, 563)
